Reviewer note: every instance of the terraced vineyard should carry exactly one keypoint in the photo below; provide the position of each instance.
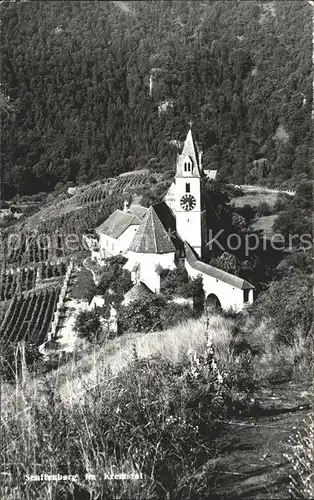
(49, 270)
(20, 280)
(17, 282)
(128, 180)
(29, 317)
(66, 220)
(131, 180)
(28, 248)
(95, 194)
(82, 220)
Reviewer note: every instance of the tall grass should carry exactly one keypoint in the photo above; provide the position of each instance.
(300, 453)
(139, 410)
(138, 404)
(171, 345)
(277, 360)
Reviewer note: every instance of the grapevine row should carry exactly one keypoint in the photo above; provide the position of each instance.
(28, 248)
(29, 317)
(25, 279)
(11, 284)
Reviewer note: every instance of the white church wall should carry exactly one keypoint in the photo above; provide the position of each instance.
(110, 246)
(148, 264)
(229, 296)
(126, 238)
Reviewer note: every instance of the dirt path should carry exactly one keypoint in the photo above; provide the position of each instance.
(66, 334)
(252, 464)
(89, 268)
(249, 188)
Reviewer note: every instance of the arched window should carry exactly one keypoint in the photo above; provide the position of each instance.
(187, 187)
(187, 166)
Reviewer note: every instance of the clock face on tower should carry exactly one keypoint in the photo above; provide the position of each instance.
(188, 202)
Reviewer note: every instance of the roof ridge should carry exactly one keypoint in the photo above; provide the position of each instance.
(154, 226)
(152, 236)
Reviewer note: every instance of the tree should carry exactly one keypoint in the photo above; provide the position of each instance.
(295, 224)
(304, 196)
(86, 111)
(115, 281)
(227, 262)
(87, 324)
(239, 222)
(288, 303)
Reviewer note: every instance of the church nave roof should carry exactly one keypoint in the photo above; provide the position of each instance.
(151, 236)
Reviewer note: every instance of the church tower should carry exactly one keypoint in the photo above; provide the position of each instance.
(189, 203)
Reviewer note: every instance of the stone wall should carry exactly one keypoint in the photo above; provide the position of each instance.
(60, 304)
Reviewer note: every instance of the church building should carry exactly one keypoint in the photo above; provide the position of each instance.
(170, 233)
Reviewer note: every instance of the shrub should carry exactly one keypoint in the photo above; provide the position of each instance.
(247, 212)
(289, 305)
(295, 263)
(176, 282)
(277, 361)
(142, 315)
(87, 324)
(84, 287)
(280, 204)
(173, 313)
(263, 208)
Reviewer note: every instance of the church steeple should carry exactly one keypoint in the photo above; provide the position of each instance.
(189, 200)
(189, 161)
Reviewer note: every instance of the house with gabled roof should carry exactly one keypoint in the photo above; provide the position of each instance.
(117, 232)
(172, 232)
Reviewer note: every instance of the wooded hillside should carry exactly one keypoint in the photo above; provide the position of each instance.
(93, 89)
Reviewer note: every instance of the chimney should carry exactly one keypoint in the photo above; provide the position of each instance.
(126, 207)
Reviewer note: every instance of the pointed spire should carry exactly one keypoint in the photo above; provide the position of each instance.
(190, 154)
(190, 148)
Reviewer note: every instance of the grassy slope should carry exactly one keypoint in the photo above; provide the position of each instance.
(254, 199)
(250, 462)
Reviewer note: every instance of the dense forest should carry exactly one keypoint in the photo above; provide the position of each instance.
(93, 89)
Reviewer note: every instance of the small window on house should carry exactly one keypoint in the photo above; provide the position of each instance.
(185, 167)
(187, 187)
(246, 295)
